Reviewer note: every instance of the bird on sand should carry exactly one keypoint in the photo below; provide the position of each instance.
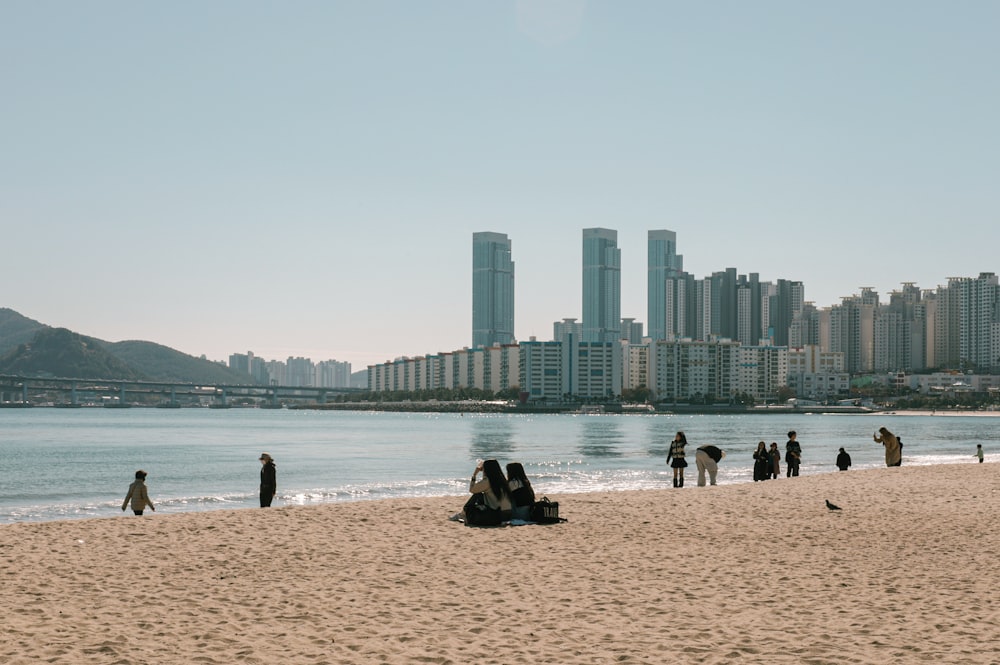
(831, 506)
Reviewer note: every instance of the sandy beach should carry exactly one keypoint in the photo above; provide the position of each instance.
(764, 572)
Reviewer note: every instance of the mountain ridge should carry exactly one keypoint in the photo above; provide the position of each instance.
(32, 348)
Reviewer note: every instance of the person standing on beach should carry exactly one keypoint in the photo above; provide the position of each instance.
(843, 460)
(268, 480)
(979, 452)
(707, 458)
(775, 460)
(893, 451)
(137, 494)
(677, 454)
(793, 455)
(761, 463)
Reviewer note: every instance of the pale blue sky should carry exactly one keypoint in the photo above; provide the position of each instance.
(304, 178)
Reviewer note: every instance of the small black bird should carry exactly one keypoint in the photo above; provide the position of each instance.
(831, 506)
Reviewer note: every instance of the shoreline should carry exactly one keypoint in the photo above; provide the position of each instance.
(900, 575)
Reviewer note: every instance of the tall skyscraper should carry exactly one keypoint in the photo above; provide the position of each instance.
(663, 263)
(602, 286)
(492, 290)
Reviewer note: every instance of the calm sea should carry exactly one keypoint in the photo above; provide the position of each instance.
(73, 463)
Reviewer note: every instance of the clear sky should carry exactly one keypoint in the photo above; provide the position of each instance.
(304, 178)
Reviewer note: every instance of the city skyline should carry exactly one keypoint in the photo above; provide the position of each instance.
(303, 181)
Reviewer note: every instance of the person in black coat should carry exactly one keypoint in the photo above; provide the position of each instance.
(843, 460)
(761, 463)
(268, 480)
(793, 455)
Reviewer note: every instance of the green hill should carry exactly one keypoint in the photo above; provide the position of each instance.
(57, 352)
(166, 364)
(30, 348)
(15, 330)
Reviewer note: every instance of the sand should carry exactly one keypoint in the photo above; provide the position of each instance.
(761, 573)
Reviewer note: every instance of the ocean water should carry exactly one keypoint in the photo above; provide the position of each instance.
(76, 463)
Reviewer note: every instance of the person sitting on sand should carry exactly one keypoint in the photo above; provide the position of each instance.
(707, 458)
(677, 453)
(893, 451)
(521, 494)
(843, 460)
(138, 495)
(493, 492)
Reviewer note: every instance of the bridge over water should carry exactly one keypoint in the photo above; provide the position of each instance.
(25, 391)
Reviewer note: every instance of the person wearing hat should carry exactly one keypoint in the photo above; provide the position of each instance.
(137, 494)
(268, 481)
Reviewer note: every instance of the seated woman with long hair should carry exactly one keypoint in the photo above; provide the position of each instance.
(493, 488)
(522, 495)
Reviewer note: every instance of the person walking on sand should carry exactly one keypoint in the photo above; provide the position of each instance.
(137, 494)
(979, 452)
(268, 480)
(677, 454)
(707, 458)
(843, 460)
(893, 451)
(775, 460)
(761, 463)
(793, 455)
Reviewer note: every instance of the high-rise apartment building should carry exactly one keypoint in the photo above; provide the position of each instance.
(602, 287)
(492, 290)
(979, 316)
(663, 264)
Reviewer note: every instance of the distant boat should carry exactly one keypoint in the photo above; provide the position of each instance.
(591, 409)
(168, 405)
(117, 405)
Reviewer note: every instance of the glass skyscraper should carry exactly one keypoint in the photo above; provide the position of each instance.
(492, 290)
(663, 263)
(602, 287)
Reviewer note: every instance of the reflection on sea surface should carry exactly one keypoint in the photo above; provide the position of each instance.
(659, 434)
(601, 436)
(492, 438)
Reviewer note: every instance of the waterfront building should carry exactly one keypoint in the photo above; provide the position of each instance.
(333, 374)
(682, 308)
(601, 286)
(635, 365)
(785, 305)
(760, 371)
(979, 321)
(685, 369)
(817, 374)
(595, 369)
(541, 370)
(852, 331)
(663, 264)
(301, 372)
(492, 290)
